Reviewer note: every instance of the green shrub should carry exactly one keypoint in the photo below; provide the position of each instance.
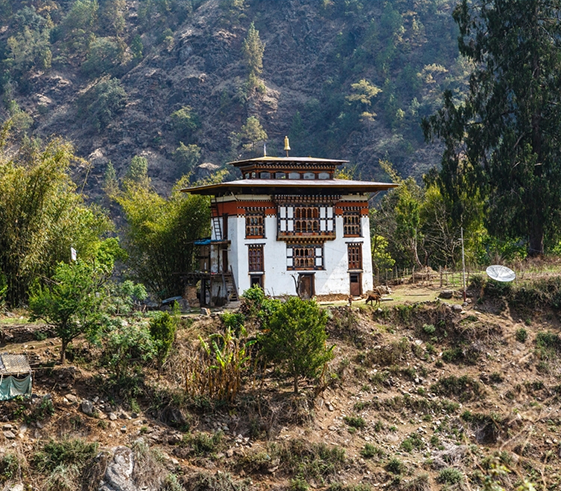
(521, 335)
(215, 372)
(295, 338)
(162, 330)
(10, 466)
(370, 451)
(390, 354)
(233, 321)
(187, 157)
(298, 484)
(64, 453)
(548, 345)
(465, 388)
(308, 460)
(452, 355)
(496, 378)
(413, 441)
(450, 476)
(204, 444)
(395, 466)
(355, 421)
(126, 347)
(429, 329)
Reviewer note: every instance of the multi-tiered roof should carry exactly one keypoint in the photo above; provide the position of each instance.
(289, 175)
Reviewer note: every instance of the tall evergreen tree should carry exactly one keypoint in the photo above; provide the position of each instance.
(504, 137)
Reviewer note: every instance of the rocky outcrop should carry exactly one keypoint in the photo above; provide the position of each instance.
(119, 472)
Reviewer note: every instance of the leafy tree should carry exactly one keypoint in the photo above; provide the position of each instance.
(253, 49)
(251, 133)
(28, 50)
(160, 232)
(137, 47)
(138, 170)
(187, 157)
(503, 138)
(103, 55)
(71, 301)
(381, 258)
(363, 92)
(112, 16)
(124, 296)
(295, 338)
(77, 28)
(110, 182)
(103, 102)
(41, 214)
(402, 210)
(185, 122)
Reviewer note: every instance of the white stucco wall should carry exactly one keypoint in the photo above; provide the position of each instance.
(277, 280)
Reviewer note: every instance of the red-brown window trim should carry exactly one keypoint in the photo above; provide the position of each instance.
(256, 259)
(354, 253)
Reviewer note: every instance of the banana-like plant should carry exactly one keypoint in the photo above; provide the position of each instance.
(215, 369)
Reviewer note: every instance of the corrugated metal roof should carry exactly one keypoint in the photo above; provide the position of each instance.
(12, 364)
(296, 184)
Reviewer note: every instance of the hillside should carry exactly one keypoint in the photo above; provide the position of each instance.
(419, 396)
(109, 77)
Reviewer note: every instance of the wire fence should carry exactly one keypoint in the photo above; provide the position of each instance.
(526, 273)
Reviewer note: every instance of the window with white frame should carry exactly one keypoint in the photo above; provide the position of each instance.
(304, 256)
(306, 219)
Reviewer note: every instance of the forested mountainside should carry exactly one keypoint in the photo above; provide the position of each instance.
(187, 82)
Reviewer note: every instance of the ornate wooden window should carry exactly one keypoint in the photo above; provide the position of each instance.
(308, 256)
(305, 220)
(255, 256)
(352, 224)
(254, 223)
(354, 252)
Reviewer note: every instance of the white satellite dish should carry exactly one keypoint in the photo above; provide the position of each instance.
(500, 273)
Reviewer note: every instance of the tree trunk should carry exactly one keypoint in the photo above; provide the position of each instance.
(63, 352)
(536, 244)
(296, 384)
(536, 237)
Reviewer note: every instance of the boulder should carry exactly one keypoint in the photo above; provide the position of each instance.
(87, 408)
(446, 294)
(118, 474)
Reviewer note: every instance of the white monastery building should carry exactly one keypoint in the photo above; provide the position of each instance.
(288, 226)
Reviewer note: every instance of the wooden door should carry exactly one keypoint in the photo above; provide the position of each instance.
(306, 286)
(356, 284)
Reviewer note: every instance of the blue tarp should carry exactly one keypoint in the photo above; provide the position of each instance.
(11, 387)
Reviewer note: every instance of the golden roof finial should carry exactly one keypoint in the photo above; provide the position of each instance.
(286, 145)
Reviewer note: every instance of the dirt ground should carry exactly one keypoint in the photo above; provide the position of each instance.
(428, 383)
